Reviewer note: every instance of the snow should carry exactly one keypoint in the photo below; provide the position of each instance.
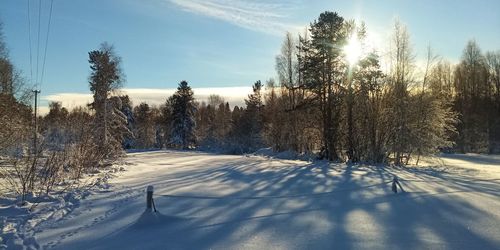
(210, 201)
(285, 155)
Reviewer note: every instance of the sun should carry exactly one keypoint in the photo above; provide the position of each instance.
(353, 50)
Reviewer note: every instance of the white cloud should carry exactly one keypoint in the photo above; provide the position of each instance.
(264, 16)
(233, 95)
(68, 100)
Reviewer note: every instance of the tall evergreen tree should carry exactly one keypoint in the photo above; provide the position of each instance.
(145, 134)
(252, 123)
(274, 126)
(126, 109)
(163, 122)
(106, 76)
(323, 73)
(117, 123)
(246, 133)
(183, 123)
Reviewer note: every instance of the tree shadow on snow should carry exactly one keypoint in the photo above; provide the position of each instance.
(143, 233)
(325, 205)
(318, 205)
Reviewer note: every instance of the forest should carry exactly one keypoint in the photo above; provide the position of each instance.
(325, 101)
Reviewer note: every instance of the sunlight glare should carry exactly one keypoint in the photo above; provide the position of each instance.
(353, 50)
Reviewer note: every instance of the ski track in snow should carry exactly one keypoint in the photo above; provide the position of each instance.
(208, 201)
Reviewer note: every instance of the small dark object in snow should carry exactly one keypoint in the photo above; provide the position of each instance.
(395, 183)
(149, 198)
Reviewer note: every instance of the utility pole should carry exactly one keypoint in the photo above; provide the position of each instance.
(36, 125)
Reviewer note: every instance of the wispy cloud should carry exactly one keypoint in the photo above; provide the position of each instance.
(233, 95)
(265, 16)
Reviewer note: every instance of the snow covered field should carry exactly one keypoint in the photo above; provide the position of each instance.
(208, 201)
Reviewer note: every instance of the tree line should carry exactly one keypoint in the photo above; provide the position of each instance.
(324, 104)
(321, 102)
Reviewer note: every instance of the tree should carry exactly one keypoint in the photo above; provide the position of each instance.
(292, 95)
(145, 133)
(213, 123)
(353, 79)
(158, 125)
(164, 123)
(183, 123)
(204, 121)
(117, 123)
(401, 75)
(106, 76)
(54, 125)
(235, 134)
(432, 119)
(472, 100)
(323, 73)
(286, 63)
(6, 76)
(246, 133)
(6, 68)
(273, 120)
(368, 132)
(126, 109)
(11, 81)
(15, 120)
(223, 121)
(252, 123)
(15, 113)
(493, 61)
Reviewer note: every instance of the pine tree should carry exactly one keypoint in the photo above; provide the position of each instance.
(183, 123)
(164, 124)
(247, 124)
(145, 132)
(106, 76)
(251, 121)
(158, 125)
(129, 140)
(117, 123)
(322, 69)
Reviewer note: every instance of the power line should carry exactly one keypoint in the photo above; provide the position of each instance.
(29, 37)
(46, 43)
(38, 39)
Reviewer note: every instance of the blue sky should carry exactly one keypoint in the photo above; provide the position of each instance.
(217, 43)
